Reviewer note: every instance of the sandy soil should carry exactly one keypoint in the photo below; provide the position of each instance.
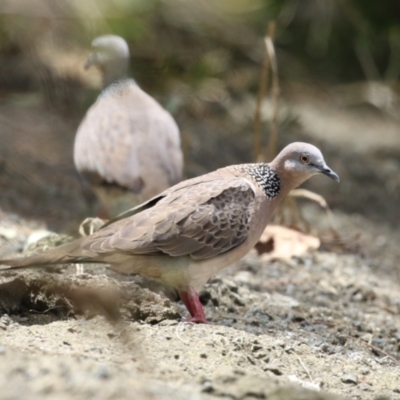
(325, 325)
(320, 326)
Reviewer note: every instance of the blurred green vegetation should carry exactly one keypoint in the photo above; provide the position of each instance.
(331, 40)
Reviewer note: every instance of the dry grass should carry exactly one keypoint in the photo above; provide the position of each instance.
(268, 63)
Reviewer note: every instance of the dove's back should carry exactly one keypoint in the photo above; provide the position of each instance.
(127, 142)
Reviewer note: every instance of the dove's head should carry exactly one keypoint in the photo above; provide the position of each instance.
(299, 161)
(109, 53)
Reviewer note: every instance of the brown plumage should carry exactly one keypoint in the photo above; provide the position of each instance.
(192, 230)
(127, 146)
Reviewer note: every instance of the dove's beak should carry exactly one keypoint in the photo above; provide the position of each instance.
(329, 172)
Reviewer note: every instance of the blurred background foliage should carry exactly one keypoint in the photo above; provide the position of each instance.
(338, 61)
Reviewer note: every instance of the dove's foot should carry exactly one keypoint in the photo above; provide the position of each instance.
(196, 320)
(192, 302)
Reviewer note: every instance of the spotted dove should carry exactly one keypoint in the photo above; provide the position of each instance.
(127, 146)
(192, 230)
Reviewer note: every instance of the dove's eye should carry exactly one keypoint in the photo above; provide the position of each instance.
(304, 159)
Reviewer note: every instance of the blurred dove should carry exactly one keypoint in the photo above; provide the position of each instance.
(192, 230)
(127, 146)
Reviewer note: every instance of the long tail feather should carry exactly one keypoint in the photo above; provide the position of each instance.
(67, 253)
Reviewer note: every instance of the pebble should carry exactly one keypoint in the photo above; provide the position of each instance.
(233, 287)
(342, 339)
(365, 371)
(351, 379)
(102, 372)
(255, 347)
(364, 388)
(274, 370)
(238, 300)
(207, 387)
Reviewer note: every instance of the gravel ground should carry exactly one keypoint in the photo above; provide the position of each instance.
(323, 325)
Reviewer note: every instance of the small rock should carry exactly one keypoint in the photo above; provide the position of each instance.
(328, 349)
(351, 379)
(2, 350)
(233, 287)
(364, 371)
(232, 310)
(237, 299)
(364, 388)
(342, 339)
(358, 296)
(260, 355)
(207, 387)
(102, 372)
(96, 349)
(255, 347)
(275, 371)
(205, 296)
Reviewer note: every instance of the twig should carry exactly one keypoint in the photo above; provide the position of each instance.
(180, 324)
(308, 194)
(45, 311)
(302, 364)
(273, 136)
(397, 362)
(260, 96)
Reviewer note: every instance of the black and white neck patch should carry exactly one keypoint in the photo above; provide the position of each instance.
(265, 177)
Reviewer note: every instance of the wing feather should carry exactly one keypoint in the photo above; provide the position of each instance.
(200, 219)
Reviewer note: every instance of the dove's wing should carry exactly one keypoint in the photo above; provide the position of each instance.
(202, 218)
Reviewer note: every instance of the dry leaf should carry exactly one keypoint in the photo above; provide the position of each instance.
(308, 194)
(279, 242)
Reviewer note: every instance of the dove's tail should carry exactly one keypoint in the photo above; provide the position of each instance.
(67, 253)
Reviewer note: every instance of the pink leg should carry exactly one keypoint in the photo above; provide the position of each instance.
(192, 302)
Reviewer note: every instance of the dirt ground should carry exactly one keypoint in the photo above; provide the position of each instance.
(320, 326)
(325, 325)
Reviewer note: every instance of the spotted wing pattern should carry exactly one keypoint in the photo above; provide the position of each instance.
(200, 219)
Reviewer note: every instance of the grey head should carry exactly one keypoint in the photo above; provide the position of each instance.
(110, 54)
(298, 162)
